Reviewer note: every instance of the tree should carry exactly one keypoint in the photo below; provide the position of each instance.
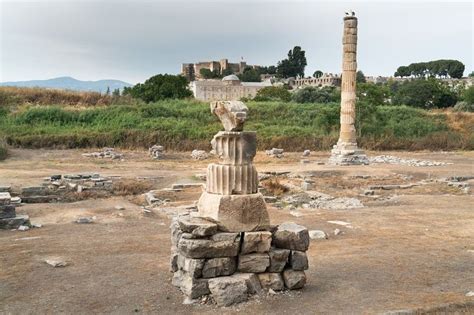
(424, 93)
(373, 94)
(116, 92)
(159, 87)
(360, 77)
(434, 68)
(250, 75)
(468, 95)
(273, 93)
(227, 72)
(471, 75)
(208, 74)
(294, 65)
(402, 71)
(317, 74)
(108, 91)
(313, 94)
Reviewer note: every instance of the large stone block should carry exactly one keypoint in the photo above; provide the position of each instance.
(294, 279)
(197, 226)
(235, 148)
(228, 290)
(176, 232)
(256, 263)
(256, 242)
(232, 179)
(251, 279)
(291, 236)
(193, 287)
(270, 280)
(13, 223)
(232, 114)
(5, 198)
(216, 267)
(235, 213)
(298, 260)
(218, 245)
(278, 259)
(7, 211)
(192, 267)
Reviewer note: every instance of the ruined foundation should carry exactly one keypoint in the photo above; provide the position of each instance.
(228, 249)
(346, 151)
(8, 217)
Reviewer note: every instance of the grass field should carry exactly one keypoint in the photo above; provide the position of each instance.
(188, 124)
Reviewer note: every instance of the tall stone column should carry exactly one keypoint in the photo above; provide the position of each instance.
(231, 198)
(346, 151)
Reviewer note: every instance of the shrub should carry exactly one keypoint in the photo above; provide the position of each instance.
(468, 95)
(317, 95)
(464, 107)
(160, 87)
(273, 93)
(423, 93)
(3, 150)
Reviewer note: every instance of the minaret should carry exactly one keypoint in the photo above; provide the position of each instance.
(346, 152)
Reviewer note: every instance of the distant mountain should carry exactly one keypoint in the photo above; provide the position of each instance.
(69, 83)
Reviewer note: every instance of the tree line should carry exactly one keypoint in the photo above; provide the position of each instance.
(442, 68)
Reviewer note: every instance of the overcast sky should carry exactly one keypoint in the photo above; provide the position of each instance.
(133, 40)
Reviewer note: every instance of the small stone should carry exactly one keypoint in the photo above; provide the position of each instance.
(37, 225)
(291, 236)
(56, 262)
(470, 293)
(197, 226)
(255, 263)
(271, 280)
(317, 235)
(256, 242)
(271, 292)
(23, 228)
(294, 279)
(278, 259)
(337, 232)
(228, 290)
(298, 260)
(199, 155)
(306, 153)
(188, 301)
(119, 208)
(369, 192)
(216, 267)
(85, 220)
(306, 186)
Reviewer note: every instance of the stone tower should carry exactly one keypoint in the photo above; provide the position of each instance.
(346, 151)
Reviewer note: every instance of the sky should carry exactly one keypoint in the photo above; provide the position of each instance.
(131, 40)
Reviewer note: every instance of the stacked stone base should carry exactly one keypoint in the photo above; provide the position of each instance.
(8, 217)
(348, 154)
(230, 267)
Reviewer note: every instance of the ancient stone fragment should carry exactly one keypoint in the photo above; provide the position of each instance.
(271, 280)
(174, 260)
(219, 245)
(197, 226)
(291, 236)
(192, 287)
(5, 198)
(232, 114)
(298, 260)
(175, 232)
(294, 279)
(256, 242)
(216, 267)
(192, 267)
(278, 259)
(15, 222)
(7, 211)
(228, 290)
(251, 279)
(257, 262)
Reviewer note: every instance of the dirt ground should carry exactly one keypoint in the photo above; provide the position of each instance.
(414, 252)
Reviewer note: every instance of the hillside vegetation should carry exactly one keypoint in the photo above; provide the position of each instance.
(188, 124)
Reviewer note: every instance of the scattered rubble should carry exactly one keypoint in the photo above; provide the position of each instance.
(23, 228)
(9, 219)
(156, 151)
(317, 200)
(337, 232)
(275, 153)
(390, 159)
(56, 262)
(85, 220)
(199, 155)
(106, 153)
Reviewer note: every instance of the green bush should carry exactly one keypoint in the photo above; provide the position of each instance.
(317, 95)
(468, 95)
(3, 150)
(424, 93)
(464, 107)
(160, 87)
(273, 93)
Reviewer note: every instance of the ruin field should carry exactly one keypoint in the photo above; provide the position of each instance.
(404, 233)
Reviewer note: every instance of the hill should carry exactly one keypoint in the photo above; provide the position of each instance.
(69, 83)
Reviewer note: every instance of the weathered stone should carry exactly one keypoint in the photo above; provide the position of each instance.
(271, 280)
(317, 234)
(256, 263)
(294, 279)
(306, 153)
(199, 155)
(85, 220)
(13, 223)
(193, 287)
(5, 198)
(5, 188)
(197, 226)
(56, 262)
(216, 267)
(291, 236)
(34, 191)
(7, 211)
(306, 185)
(298, 260)
(192, 267)
(251, 279)
(219, 245)
(232, 114)
(278, 259)
(228, 290)
(256, 242)
(174, 260)
(175, 232)
(235, 213)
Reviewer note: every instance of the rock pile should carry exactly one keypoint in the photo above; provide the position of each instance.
(275, 153)
(156, 151)
(106, 153)
(390, 159)
(233, 266)
(199, 155)
(8, 217)
(318, 200)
